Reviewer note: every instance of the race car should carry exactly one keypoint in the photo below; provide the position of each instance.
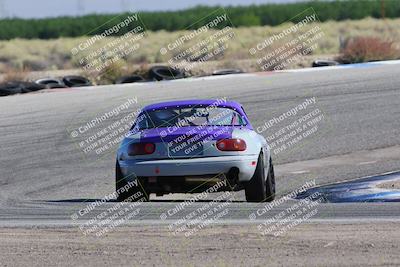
(190, 145)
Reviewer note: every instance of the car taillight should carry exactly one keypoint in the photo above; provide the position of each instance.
(231, 145)
(141, 149)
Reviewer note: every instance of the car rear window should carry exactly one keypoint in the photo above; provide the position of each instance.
(189, 116)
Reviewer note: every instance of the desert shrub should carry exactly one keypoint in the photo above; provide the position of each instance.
(109, 74)
(364, 49)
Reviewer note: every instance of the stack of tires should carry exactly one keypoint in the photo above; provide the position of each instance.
(159, 73)
(21, 87)
(156, 73)
(66, 81)
(51, 83)
(76, 81)
(165, 73)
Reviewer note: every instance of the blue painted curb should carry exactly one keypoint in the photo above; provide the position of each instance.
(360, 190)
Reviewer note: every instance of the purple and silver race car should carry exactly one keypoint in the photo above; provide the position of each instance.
(187, 146)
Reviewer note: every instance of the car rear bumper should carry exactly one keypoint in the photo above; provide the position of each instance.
(246, 164)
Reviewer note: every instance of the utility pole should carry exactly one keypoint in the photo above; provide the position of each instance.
(80, 8)
(3, 10)
(124, 6)
(382, 9)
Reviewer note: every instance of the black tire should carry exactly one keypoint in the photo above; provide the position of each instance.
(120, 182)
(160, 73)
(270, 183)
(55, 86)
(227, 71)
(255, 189)
(324, 63)
(19, 87)
(51, 83)
(76, 81)
(130, 79)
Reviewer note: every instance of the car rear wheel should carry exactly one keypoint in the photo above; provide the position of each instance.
(256, 188)
(270, 183)
(133, 193)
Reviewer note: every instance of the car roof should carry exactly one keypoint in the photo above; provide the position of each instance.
(196, 102)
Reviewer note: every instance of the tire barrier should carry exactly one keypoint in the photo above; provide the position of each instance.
(160, 73)
(76, 81)
(51, 83)
(324, 63)
(227, 71)
(19, 87)
(130, 79)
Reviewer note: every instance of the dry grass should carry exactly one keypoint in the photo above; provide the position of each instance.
(394, 185)
(15, 75)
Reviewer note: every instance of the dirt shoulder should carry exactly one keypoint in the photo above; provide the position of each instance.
(305, 245)
(390, 185)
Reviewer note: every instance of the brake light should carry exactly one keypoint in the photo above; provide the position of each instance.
(231, 145)
(141, 149)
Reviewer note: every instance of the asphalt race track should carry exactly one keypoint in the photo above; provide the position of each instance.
(46, 178)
